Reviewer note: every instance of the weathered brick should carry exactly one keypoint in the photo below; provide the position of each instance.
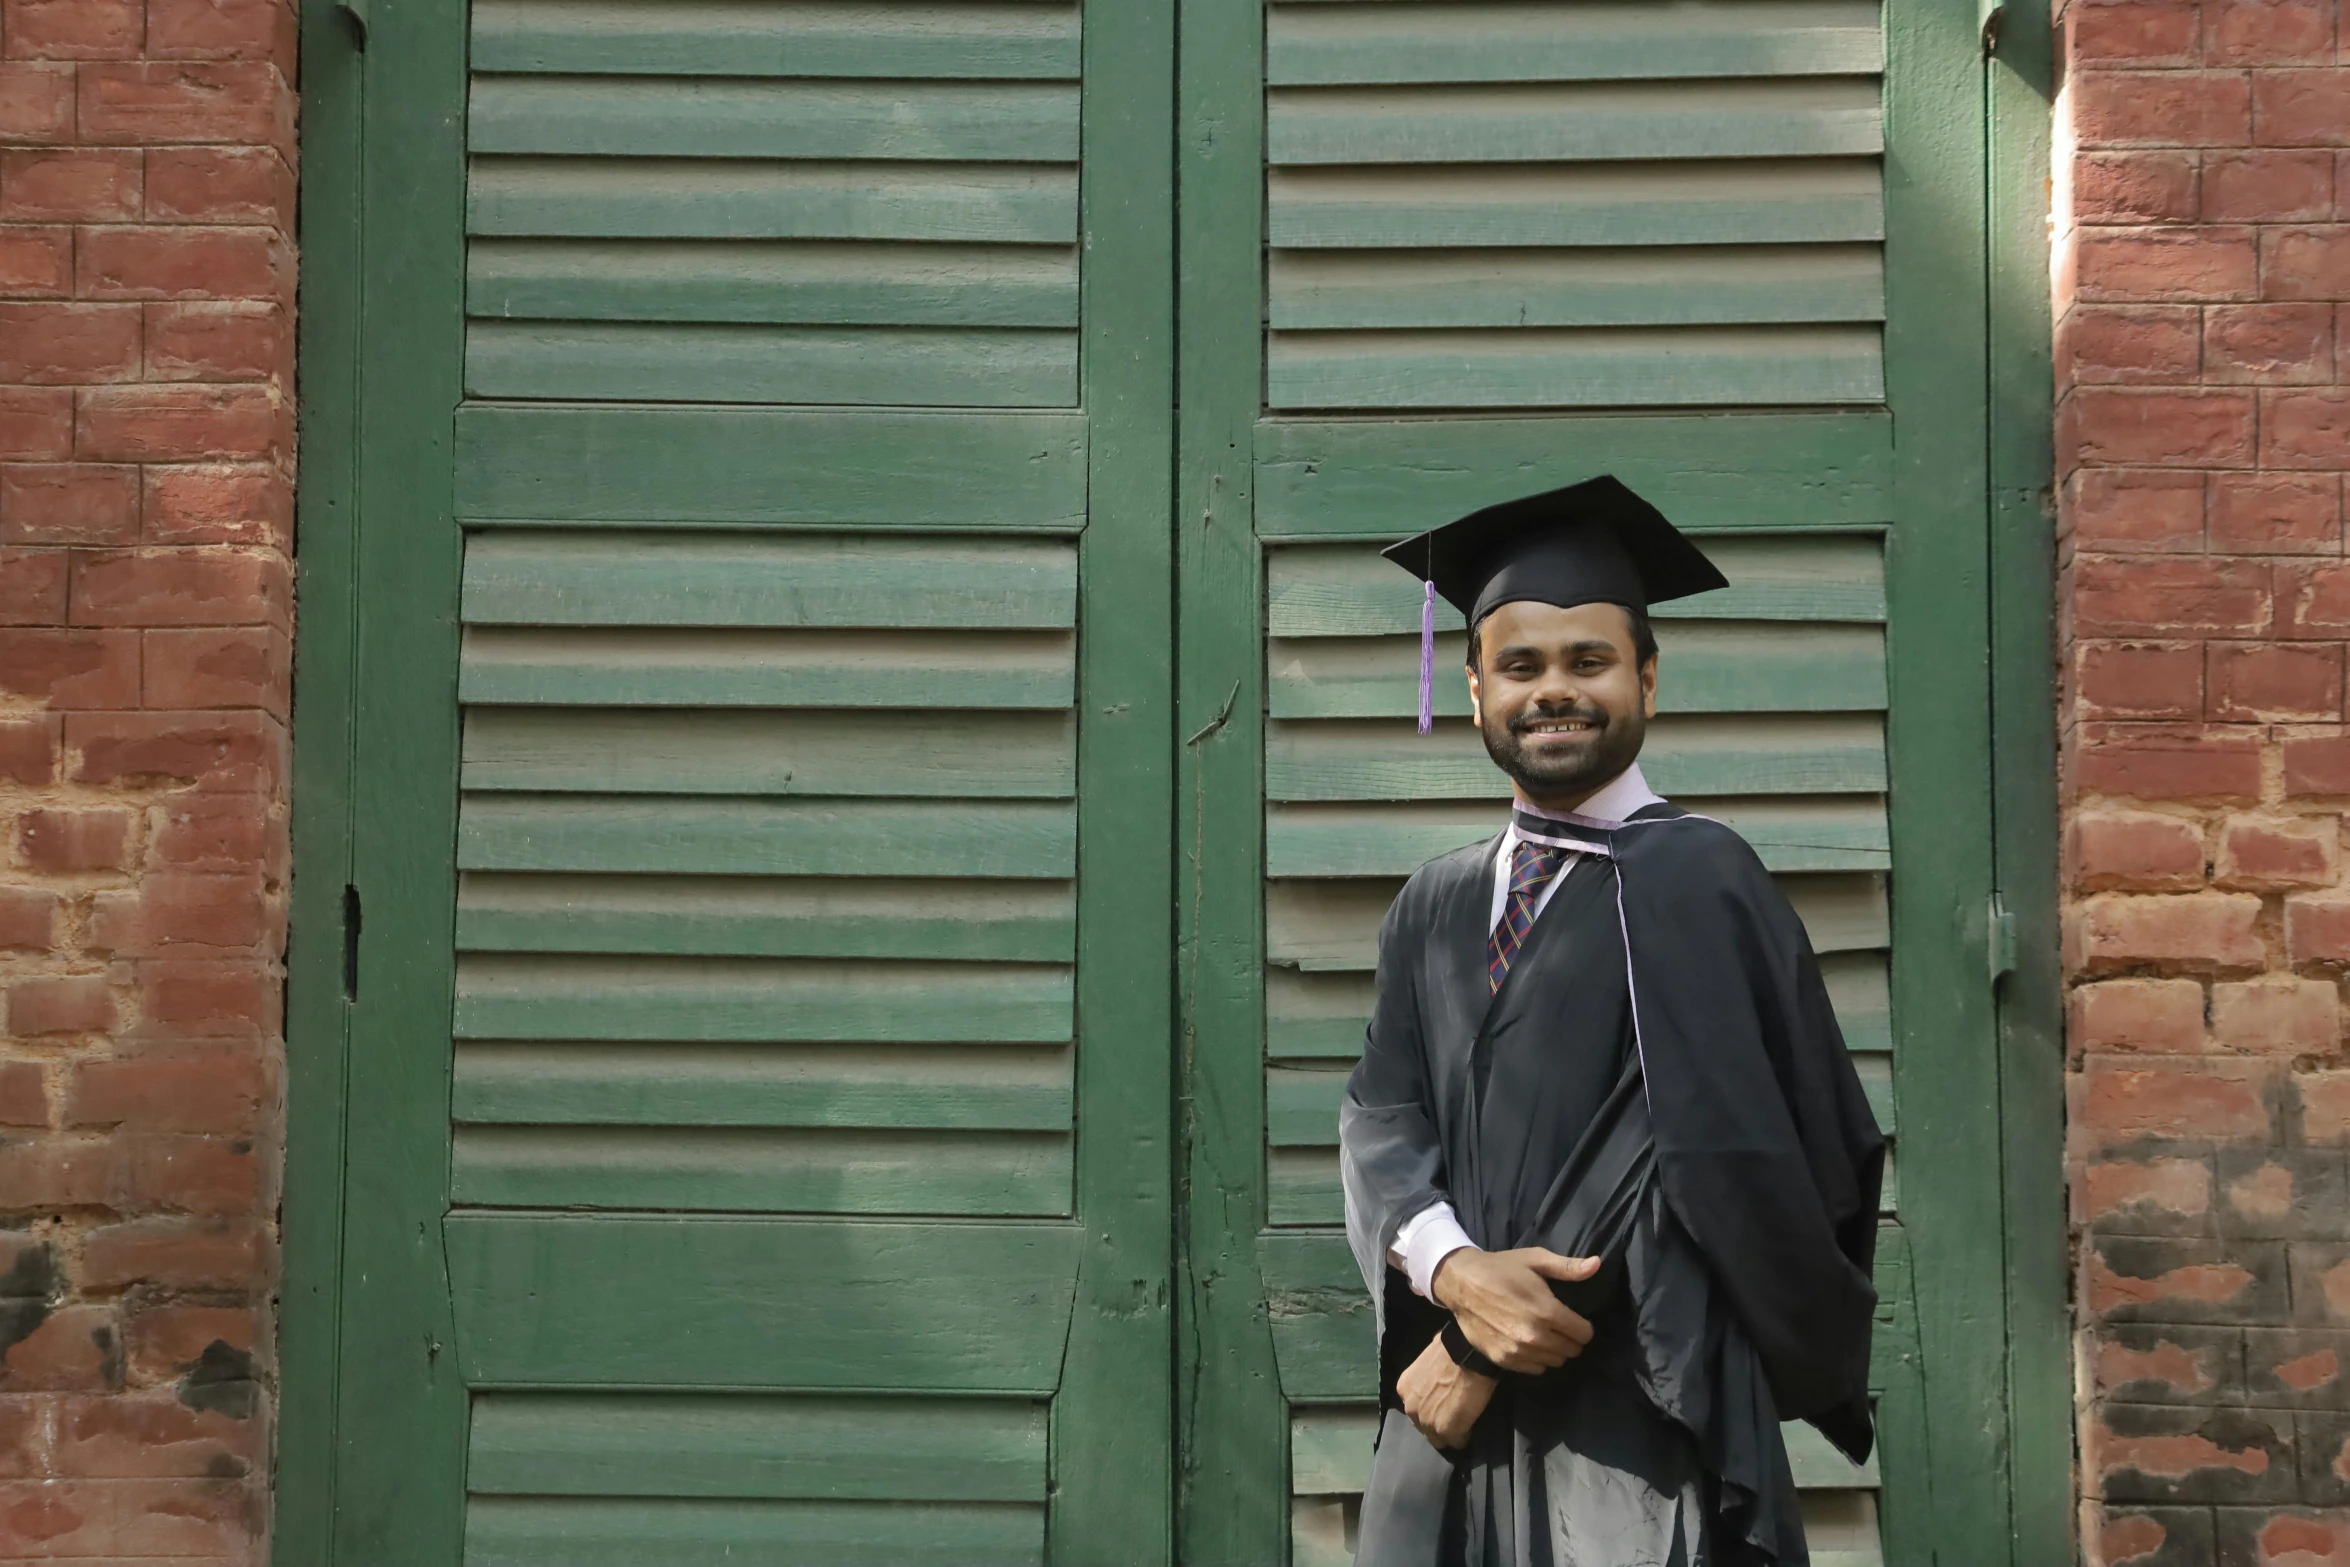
(2317, 927)
(2309, 108)
(36, 262)
(2202, 932)
(2108, 33)
(2278, 853)
(128, 1521)
(179, 914)
(36, 101)
(217, 504)
(24, 1095)
(70, 184)
(2167, 762)
(2157, 427)
(209, 999)
(214, 1090)
(36, 422)
(2281, 1537)
(2135, 187)
(2322, 1440)
(221, 30)
(166, 1342)
(2170, 1195)
(2178, 598)
(2197, 264)
(2271, 683)
(192, 263)
(2131, 345)
(2305, 428)
(29, 749)
(2135, 851)
(2276, 513)
(232, 752)
(68, 1004)
(2268, 344)
(33, 586)
(71, 668)
(180, 588)
(63, 840)
(219, 185)
(2167, 1363)
(68, 343)
(2268, 185)
(2121, 1101)
(2135, 510)
(2129, 1534)
(178, 423)
(2153, 1016)
(2297, 1368)
(73, 1348)
(243, 667)
(237, 341)
(2282, 1193)
(153, 1435)
(2166, 109)
(225, 101)
(219, 832)
(174, 1254)
(2320, 1283)
(2268, 32)
(71, 29)
(68, 503)
(2276, 1015)
(2133, 1278)
(2139, 680)
(2305, 263)
(28, 918)
(2157, 1453)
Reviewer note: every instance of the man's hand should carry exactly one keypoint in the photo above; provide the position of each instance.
(1442, 1399)
(1502, 1301)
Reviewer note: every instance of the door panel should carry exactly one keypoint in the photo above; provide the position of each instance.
(1472, 250)
(770, 697)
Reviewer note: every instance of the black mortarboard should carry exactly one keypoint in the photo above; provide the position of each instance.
(1590, 543)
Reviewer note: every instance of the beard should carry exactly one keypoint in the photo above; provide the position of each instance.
(1611, 745)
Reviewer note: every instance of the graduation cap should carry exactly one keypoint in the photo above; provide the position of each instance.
(1590, 543)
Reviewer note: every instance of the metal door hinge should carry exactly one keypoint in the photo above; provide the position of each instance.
(2003, 941)
(355, 11)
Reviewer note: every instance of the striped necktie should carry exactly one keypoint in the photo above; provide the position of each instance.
(1531, 868)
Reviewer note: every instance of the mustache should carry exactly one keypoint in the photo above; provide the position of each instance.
(1595, 717)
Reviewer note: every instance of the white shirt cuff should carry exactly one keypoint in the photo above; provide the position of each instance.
(1426, 1239)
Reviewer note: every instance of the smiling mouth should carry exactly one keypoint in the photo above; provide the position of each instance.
(1558, 728)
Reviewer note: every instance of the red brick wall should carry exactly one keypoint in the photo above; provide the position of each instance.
(2202, 433)
(146, 281)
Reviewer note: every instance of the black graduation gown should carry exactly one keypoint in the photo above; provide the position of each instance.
(1660, 1081)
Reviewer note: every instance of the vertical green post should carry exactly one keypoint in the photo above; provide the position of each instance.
(1113, 1419)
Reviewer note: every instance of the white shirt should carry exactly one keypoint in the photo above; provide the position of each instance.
(1435, 1233)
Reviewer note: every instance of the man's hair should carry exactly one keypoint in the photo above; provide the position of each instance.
(1643, 636)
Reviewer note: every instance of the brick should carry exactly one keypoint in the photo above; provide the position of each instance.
(233, 342)
(2177, 598)
(2198, 932)
(2301, 108)
(2305, 263)
(231, 752)
(218, 504)
(70, 185)
(2305, 428)
(249, 667)
(2297, 1368)
(219, 185)
(36, 261)
(230, 832)
(2167, 762)
(2130, 32)
(178, 423)
(2268, 32)
(68, 503)
(2135, 187)
(75, 1348)
(2156, 1016)
(71, 669)
(2157, 1453)
(2313, 600)
(193, 263)
(2276, 514)
(2325, 1106)
(68, 344)
(2166, 1363)
(153, 1435)
(36, 422)
(2268, 185)
(2279, 853)
(2126, 1534)
(2322, 1441)
(2122, 1101)
(217, 1090)
(2142, 345)
(2138, 679)
(2135, 510)
(173, 1254)
(2317, 765)
(2277, 1015)
(65, 1004)
(33, 587)
(196, 1175)
(221, 30)
(177, 913)
(71, 29)
(2317, 928)
(2262, 682)
(2163, 109)
(24, 1435)
(65, 841)
(129, 1522)
(180, 588)
(2135, 851)
(237, 102)
(2281, 1537)
(2282, 1193)
(2156, 427)
(28, 918)
(36, 102)
(210, 999)
(2320, 1283)
(166, 1342)
(2203, 263)
(2168, 1196)
(24, 1094)
(28, 749)
(2147, 1279)
(54, 1173)
(2268, 344)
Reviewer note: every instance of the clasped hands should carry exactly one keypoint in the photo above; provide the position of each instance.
(1503, 1303)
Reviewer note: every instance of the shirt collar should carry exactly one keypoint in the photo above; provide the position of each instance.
(1629, 792)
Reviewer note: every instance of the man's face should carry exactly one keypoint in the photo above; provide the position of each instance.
(1562, 697)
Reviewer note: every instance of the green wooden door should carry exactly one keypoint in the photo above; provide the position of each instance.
(1436, 254)
(755, 1038)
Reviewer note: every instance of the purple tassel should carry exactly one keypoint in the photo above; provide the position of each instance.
(1428, 659)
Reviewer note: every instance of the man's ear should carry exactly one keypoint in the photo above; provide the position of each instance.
(1648, 687)
(1477, 701)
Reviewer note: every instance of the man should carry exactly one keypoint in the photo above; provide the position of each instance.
(1610, 1175)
